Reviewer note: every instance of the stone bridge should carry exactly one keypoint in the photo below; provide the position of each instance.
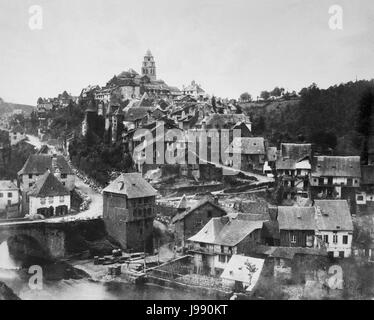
(48, 236)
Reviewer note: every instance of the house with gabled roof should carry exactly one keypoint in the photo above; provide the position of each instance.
(48, 196)
(129, 211)
(335, 177)
(190, 220)
(35, 166)
(334, 227)
(252, 152)
(297, 226)
(213, 246)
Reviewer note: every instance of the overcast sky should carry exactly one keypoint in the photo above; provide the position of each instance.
(227, 46)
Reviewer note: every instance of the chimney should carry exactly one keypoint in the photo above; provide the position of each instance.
(225, 219)
(215, 200)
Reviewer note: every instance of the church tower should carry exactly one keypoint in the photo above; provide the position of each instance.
(149, 66)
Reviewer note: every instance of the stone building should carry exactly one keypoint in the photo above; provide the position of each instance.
(221, 238)
(189, 221)
(9, 198)
(149, 66)
(48, 196)
(35, 166)
(129, 211)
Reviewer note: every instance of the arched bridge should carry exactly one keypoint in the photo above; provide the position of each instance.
(48, 235)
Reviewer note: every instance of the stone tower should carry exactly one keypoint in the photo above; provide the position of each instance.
(149, 66)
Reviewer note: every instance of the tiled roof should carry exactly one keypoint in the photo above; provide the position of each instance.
(7, 185)
(296, 218)
(132, 185)
(251, 145)
(296, 151)
(225, 231)
(39, 163)
(333, 215)
(182, 215)
(48, 186)
(337, 166)
(237, 270)
(137, 113)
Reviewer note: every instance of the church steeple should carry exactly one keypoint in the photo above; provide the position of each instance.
(149, 66)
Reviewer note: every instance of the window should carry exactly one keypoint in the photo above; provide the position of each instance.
(341, 254)
(222, 258)
(326, 238)
(30, 176)
(360, 198)
(62, 198)
(42, 200)
(30, 185)
(1, 195)
(202, 245)
(50, 199)
(335, 238)
(293, 239)
(9, 194)
(63, 175)
(320, 181)
(9, 202)
(222, 249)
(209, 214)
(345, 239)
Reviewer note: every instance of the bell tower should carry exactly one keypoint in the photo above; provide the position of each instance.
(149, 66)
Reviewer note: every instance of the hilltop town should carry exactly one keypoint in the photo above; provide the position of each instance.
(189, 189)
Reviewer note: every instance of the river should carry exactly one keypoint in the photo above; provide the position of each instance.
(84, 289)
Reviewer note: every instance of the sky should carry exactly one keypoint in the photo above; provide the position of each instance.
(229, 47)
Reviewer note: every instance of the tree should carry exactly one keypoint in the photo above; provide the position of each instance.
(265, 95)
(277, 92)
(364, 121)
(245, 97)
(325, 141)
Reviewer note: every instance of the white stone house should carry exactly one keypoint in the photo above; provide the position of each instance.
(9, 195)
(49, 197)
(334, 227)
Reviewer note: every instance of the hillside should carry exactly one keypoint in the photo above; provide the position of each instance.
(8, 107)
(326, 117)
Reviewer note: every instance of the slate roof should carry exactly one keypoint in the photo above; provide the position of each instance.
(137, 113)
(296, 218)
(132, 185)
(296, 151)
(225, 231)
(182, 215)
(39, 163)
(367, 175)
(248, 145)
(7, 185)
(48, 186)
(333, 215)
(334, 166)
(237, 270)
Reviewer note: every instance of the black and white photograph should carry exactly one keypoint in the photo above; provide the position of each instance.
(203, 151)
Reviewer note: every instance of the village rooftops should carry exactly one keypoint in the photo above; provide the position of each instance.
(295, 151)
(215, 120)
(250, 146)
(137, 113)
(330, 166)
(243, 269)
(7, 185)
(182, 215)
(296, 218)
(333, 215)
(132, 185)
(39, 163)
(225, 231)
(48, 186)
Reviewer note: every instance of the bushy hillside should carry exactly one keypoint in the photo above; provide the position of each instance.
(327, 117)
